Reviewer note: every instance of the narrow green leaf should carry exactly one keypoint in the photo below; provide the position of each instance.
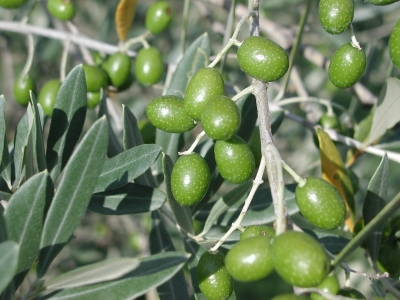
(37, 134)
(8, 263)
(126, 166)
(160, 241)
(152, 272)
(105, 270)
(374, 201)
(182, 214)
(332, 242)
(3, 228)
(2, 124)
(248, 112)
(5, 167)
(129, 199)
(74, 192)
(67, 121)
(25, 215)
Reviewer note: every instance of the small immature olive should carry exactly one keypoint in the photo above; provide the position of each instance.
(351, 293)
(381, 2)
(190, 179)
(63, 10)
(299, 259)
(329, 285)
(93, 99)
(394, 45)
(329, 121)
(250, 259)
(96, 78)
(257, 230)
(320, 203)
(214, 280)
(336, 15)
(149, 66)
(204, 85)
(262, 59)
(158, 17)
(290, 297)
(48, 95)
(22, 86)
(118, 68)
(168, 114)
(347, 66)
(220, 118)
(12, 3)
(234, 159)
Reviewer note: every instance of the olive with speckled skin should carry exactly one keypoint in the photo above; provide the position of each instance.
(149, 66)
(351, 293)
(329, 285)
(381, 2)
(204, 85)
(290, 297)
(394, 45)
(190, 179)
(299, 259)
(336, 15)
(168, 114)
(214, 280)
(321, 203)
(158, 17)
(262, 59)
(257, 230)
(250, 259)
(347, 66)
(220, 118)
(234, 159)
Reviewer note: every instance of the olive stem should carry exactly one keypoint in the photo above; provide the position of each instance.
(139, 39)
(300, 180)
(237, 224)
(295, 46)
(186, 9)
(354, 41)
(64, 59)
(195, 143)
(87, 57)
(246, 91)
(29, 59)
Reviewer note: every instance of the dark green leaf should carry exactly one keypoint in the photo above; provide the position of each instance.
(248, 111)
(332, 242)
(74, 192)
(3, 229)
(129, 199)
(3, 145)
(374, 201)
(8, 263)
(105, 270)
(182, 214)
(37, 135)
(67, 121)
(25, 215)
(126, 166)
(152, 272)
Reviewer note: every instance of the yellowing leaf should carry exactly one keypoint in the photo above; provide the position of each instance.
(334, 171)
(124, 16)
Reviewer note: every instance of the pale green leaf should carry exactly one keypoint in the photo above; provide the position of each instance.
(8, 263)
(39, 155)
(3, 229)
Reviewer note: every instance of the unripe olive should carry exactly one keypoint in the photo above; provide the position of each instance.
(149, 66)
(48, 95)
(220, 118)
(234, 159)
(329, 285)
(320, 203)
(93, 99)
(347, 66)
(158, 17)
(96, 78)
(190, 179)
(257, 230)
(381, 2)
(22, 86)
(12, 3)
(250, 259)
(299, 259)
(118, 69)
(262, 59)
(204, 85)
(64, 10)
(290, 297)
(213, 278)
(394, 45)
(336, 15)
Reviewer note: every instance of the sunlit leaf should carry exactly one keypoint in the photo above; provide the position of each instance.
(124, 16)
(5, 166)
(37, 134)
(8, 263)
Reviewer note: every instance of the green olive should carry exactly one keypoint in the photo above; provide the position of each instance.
(256, 230)
(118, 69)
(290, 297)
(336, 15)
(149, 66)
(22, 86)
(93, 99)
(12, 3)
(64, 10)
(329, 285)
(96, 78)
(48, 95)
(394, 45)
(158, 17)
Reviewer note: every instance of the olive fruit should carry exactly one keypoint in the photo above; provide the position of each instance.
(347, 66)
(299, 259)
(320, 203)
(12, 3)
(351, 293)
(158, 17)
(389, 258)
(213, 278)
(118, 68)
(64, 10)
(96, 78)
(149, 66)
(48, 95)
(220, 118)
(329, 121)
(336, 15)
(257, 230)
(22, 86)
(190, 179)
(394, 45)
(93, 99)
(250, 259)
(329, 285)
(381, 2)
(234, 159)
(205, 84)
(290, 297)
(262, 59)
(168, 114)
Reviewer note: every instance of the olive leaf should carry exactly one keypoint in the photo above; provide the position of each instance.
(124, 16)
(8, 263)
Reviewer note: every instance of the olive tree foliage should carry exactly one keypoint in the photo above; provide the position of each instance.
(87, 210)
